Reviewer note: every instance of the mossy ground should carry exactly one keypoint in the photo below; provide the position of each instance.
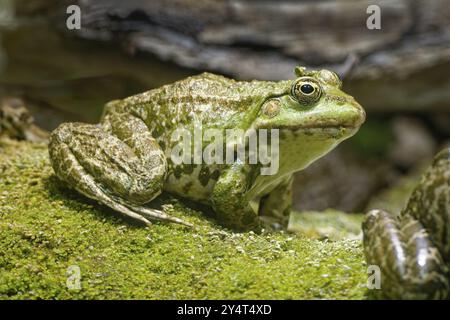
(45, 228)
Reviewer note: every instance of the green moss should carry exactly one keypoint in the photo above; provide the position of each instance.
(46, 228)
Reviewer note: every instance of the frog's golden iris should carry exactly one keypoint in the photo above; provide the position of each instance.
(306, 91)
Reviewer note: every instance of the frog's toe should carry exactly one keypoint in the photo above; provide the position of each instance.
(154, 214)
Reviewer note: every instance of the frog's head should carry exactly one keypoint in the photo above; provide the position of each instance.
(315, 101)
(313, 116)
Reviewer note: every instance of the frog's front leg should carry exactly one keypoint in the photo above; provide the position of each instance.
(229, 200)
(117, 163)
(276, 206)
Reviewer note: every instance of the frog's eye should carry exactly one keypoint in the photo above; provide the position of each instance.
(306, 91)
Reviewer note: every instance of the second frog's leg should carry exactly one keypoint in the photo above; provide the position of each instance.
(118, 164)
(411, 266)
(413, 251)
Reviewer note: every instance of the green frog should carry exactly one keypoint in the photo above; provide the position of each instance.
(412, 250)
(126, 161)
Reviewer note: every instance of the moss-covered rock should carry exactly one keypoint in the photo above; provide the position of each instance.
(45, 229)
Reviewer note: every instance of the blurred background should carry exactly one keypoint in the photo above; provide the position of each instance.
(399, 74)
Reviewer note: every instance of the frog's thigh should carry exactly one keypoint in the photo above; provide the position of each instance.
(135, 175)
(276, 206)
(411, 266)
(145, 162)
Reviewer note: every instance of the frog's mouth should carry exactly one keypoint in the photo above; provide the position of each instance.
(328, 132)
(352, 123)
(319, 127)
(335, 131)
(347, 115)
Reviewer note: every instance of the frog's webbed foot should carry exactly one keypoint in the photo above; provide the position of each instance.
(120, 165)
(411, 266)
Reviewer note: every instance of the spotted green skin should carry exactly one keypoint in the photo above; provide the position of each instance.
(124, 162)
(413, 249)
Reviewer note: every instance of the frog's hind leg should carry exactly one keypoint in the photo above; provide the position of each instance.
(411, 266)
(413, 250)
(118, 164)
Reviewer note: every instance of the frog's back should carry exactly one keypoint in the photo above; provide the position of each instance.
(211, 99)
